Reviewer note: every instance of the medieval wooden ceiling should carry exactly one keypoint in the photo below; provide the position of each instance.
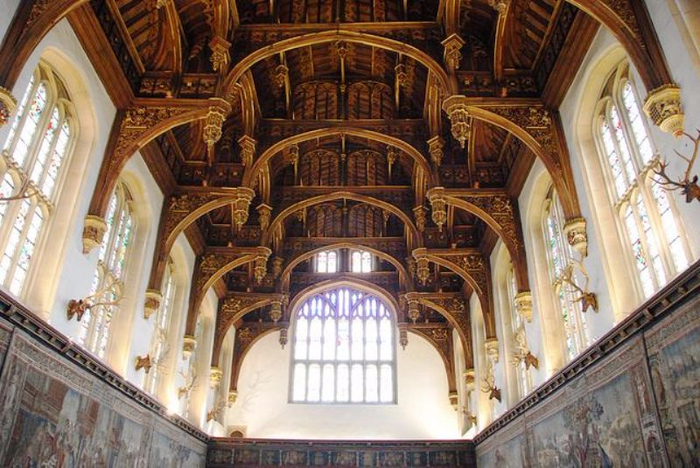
(285, 127)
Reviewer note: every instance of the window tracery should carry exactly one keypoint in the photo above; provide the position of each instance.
(343, 349)
(559, 260)
(162, 323)
(40, 142)
(648, 220)
(108, 281)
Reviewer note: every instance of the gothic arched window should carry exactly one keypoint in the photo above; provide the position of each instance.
(648, 221)
(39, 143)
(327, 262)
(517, 324)
(160, 335)
(108, 282)
(360, 261)
(559, 261)
(343, 349)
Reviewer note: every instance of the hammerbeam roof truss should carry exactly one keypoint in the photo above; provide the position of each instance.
(279, 128)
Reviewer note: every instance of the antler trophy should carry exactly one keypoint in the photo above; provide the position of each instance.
(22, 193)
(688, 187)
(189, 384)
(77, 308)
(587, 298)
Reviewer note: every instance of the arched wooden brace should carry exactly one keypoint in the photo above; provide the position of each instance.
(499, 40)
(455, 309)
(471, 265)
(32, 21)
(246, 337)
(179, 211)
(251, 174)
(539, 129)
(497, 210)
(335, 35)
(172, 19)
(441, 339)
(629, 22)
(135, 127)
(233, 308)
(339, 195)
(283, 283)
(208, 269)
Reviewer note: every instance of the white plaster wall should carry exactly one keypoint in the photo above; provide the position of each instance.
(422, 412)
(7, 12)
(679, 56)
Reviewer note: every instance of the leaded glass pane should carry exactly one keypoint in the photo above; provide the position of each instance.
(333, 328)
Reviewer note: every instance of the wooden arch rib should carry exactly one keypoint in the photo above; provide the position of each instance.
(484, 294)
(555, 158)
(225, 321)
(286, 273)
(629, 22)
(31, 23)
(515, 246)
(135, 127)
(250, 176)
(446, 359)
(241, 350)
(339, 195)
(464, 338)
(450, 86)
(200, 288)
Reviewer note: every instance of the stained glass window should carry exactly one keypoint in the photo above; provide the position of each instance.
(559, 258)
(648, 218)
(162, 322)
(343, 349)
(107, 285)
(36, 149)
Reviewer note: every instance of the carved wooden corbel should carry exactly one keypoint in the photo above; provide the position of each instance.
(663, 106)
(575, 232)
(523, 305)
(438, 205)
(152, 302)
(452, 55)
(247, 144)
(215, 376)
(188, 344)
(94, 231)
(456, 108)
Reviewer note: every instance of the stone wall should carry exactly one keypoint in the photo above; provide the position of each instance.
(633, 399)
(61, 407)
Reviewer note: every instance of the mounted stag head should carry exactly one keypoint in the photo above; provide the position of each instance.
(586, 298)
(77, 308)
(688, 187)
(489, 386)
(143, 362)
(214, 413)
(189, 384)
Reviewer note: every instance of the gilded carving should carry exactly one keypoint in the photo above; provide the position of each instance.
(663, 106)
(421, 217)
(575, 232)
(247, 145)
(93, 232)
(523, 305)
(215, 376)
(152, 302)
(188, 344)
(439, 208)
(436, 146)
(456, 109)
(452, 54)
(219, 53)
(8, 104)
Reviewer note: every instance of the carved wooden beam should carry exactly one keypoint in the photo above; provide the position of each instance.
(471, 265)
(537, 127)
(233, 308)
(440, 336)
(629, 22)
(498, 211)
(455, 309)
(32, 21)
(246, 336)
(503, 9)
(210, 267)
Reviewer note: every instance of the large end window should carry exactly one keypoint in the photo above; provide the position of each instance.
(343, 349)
